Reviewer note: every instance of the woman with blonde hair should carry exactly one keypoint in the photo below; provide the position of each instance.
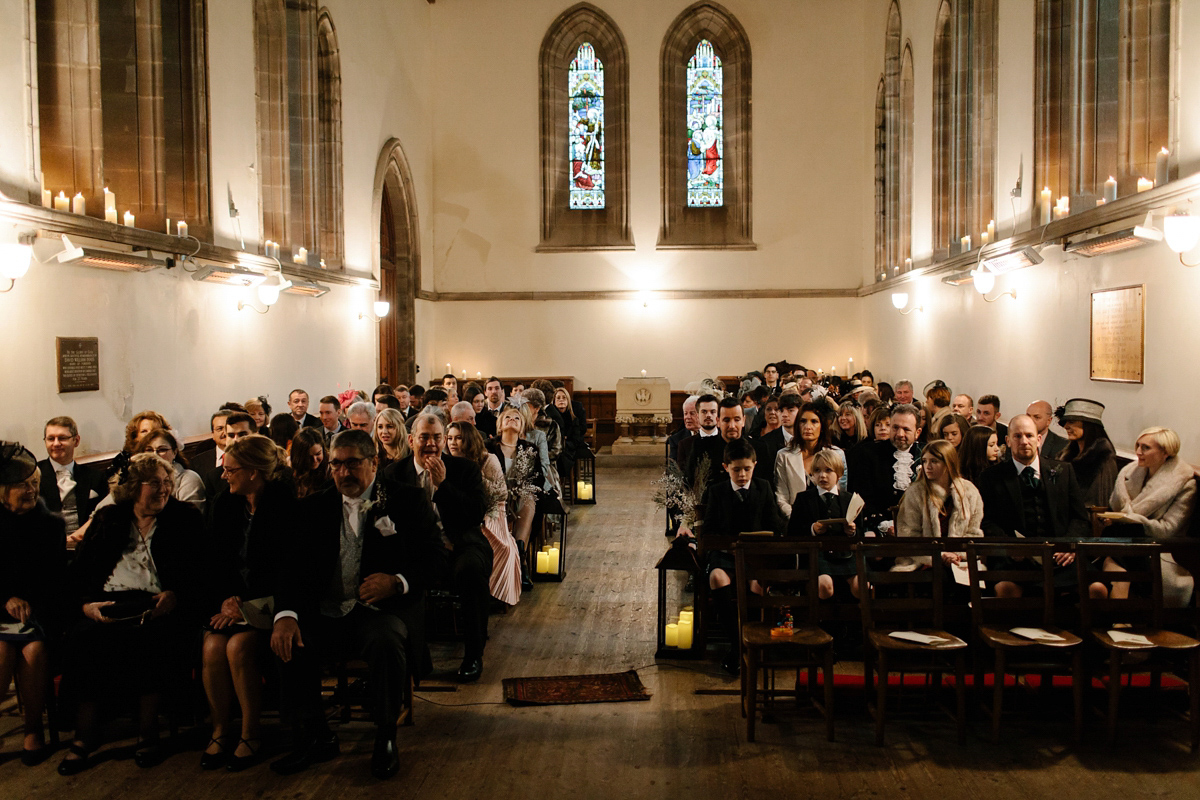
(848, 427)
(391, 437)
(939, 504)
(507, 447)
(530, 411)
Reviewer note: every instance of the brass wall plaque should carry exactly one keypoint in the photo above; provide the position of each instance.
(1118, 349)
(78, 363)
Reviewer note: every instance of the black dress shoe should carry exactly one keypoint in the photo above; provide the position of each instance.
(210, 761)
(238, 763)
(31, 758)
(385, 761)
(471, 670)
(322, 747)
(148, 753)
(74, 766)
(732, 663)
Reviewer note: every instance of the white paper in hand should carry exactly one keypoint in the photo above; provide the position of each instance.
(1037, 635)
(919, 638)
(855, 506)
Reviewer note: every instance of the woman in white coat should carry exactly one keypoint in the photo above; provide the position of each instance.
(940, 503)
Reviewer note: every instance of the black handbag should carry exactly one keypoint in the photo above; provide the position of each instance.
(131, 606)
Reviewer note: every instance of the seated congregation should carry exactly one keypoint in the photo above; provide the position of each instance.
(872, 484)
(294, 544)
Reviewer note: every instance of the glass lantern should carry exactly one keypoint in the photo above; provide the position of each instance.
(585, 479)
(550, 563)
(680, 630)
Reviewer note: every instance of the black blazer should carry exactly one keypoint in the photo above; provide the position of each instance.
(726, 514)
(34, 566)
(767, 447)
(807, 508)
(485, 423)
(203, 463)
(1053, 445)
(714, 448)
(872, 476)
(310, 422)
(461, 501)
(414, 551)
(177, 549)
(1004, 511)
(271, 532)
(87, 481)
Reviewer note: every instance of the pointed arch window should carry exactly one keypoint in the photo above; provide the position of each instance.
(585, 134)
(704, 117)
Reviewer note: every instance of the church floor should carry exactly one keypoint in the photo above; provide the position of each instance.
(468, 744)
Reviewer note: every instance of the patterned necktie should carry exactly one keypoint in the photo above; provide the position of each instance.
(744, 494)
(1030, 478)
(830, 505)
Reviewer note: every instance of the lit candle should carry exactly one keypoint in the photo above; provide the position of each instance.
(302, 256)
(908, 265)
(579, 489)
(966, 243)
(1144, 184)
(128, 219)
(553, 565)
(1100, 201)
(1045, 206)
(685, 634)
(686, 614)
(110, 215)
(983, 238)
(1063, 209)
(181, 229)
(643, 373)
(47, 199)
(464, 374)
(62, 202)
(1160, 167)
(586, 494)
(110, 200)
(850, 366)
(991, 231)
(543, 561)
(448, 372)
(478, 376)
(672, 635)
(1110, 189)
(78, 204)
(275, 250)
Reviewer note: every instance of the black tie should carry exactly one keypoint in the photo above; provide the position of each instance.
(743, 494)
(1030, 478)
(830, 506)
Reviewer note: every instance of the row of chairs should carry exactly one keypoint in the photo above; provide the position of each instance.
(1106, 637)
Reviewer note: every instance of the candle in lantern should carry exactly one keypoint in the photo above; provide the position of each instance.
(553, 565)
(181, 229)
(585, 491)
(966, 243)
(579, 489)
(62, 202)
(47, 199)
(1160, 167)
(1110, 189)
(991, 231)
(543, 561)
(687, 614)
(128, 219)
(1144, 185)
(110, 215)
(685, 634)
(1045, 206)
(78, 204)
(672, 635)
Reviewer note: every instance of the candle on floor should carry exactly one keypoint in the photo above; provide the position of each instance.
(78, 204)
(1044, 206)
(181, 229)
(543, 561)
(47, 199)
(672, 635)
(1110, 189)
(1144, 185)
(110, 215)
(553, 565)
(1160, 167)
(128, 219)
(685, 634)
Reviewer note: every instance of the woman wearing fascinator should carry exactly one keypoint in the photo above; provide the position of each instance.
(1089, 450)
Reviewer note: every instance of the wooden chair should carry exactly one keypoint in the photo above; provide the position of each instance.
(788, 572)
(993, 619)
(1142, 612)
(912, 602)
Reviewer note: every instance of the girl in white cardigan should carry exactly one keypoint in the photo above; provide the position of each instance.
(939, 504)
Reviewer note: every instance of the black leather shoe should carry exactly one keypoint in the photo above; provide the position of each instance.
(471, 670)
(74, 766)
(148, 753)
(209, 761)
(31, 758)
(238, 763)
(732, 663)
(323, 747)
(385, 761)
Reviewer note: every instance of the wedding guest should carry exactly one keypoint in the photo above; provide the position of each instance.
(522, 467)
(70, 489)
(477, 401)
(793, 464)
(298, 406)
(980, 449)
(136, 581)
(463, 441)
(1089, 450)
(987, 413)
(208, 463)
(493, 404)
(902, 394)
(823, 500)
(939, 504)
(545, 421)
(768, 446)
(32, 580)
(538, 439)
(391, 437)
(574, 428)
(879, 424)
(252, 526)
(329, 411)
(141, 424)
(964, 406)
(282, 430)
(880, 472)
(189, 488)
(360, 416)
(691, 424)
(953, 428)
(310, 463)
(254, 407)
(849, 427)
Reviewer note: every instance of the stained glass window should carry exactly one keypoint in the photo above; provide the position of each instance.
(585, 129)
(705, 174)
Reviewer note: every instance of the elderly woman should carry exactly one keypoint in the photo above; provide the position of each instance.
(1154, 496)
(31, 583)
(310, 462)
(135, 578)
(526, 469)
(391, 437)
(939, 504)
(189, 487)
(251, 527)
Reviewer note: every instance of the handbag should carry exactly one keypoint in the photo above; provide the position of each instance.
(131, 606)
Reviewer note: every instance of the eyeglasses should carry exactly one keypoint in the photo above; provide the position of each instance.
(349, 464)
(159, 485)
(162, 451)
(230, 470)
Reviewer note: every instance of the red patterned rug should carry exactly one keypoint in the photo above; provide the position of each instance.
(615, 687)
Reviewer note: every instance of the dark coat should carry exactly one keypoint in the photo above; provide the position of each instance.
(1053, 445)
(271, 533)
(767, 447)
(461, 501)
(1096, 470)
(34, 565)
(87, 482)
(873, 478)
(1004, 510)
(726, 514)
(807, 508)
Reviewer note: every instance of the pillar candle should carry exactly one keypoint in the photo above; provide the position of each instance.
(1100, 201)
(47, 199)
(62, 202)
(984, 238)
(302, 256)
(908, 265)
(181, 228)
(1044, 207)
(464, 374)
(672, 635)
(110, 215)
(448, 372)
(850, 366)
(579, 489)
(1110, 189)
(110, 200)
(643, 373)
(588, 491)
(275, 250)
(1064, 203)
(991, 231)
(168, 226)
(78, 204)
(1144, 184)
(966, 243)
(478, 376)
(1160, 167)
(553, 565)
(128, 219)
(687, 614)
(685, 634)
(543, 561)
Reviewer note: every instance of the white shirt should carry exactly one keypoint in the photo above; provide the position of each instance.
(1036, 466)
(714, 432)
(787, 437)
(136, 571)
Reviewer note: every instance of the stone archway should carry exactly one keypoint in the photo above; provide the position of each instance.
(399, 253)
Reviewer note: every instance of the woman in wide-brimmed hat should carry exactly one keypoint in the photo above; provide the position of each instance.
(1089, 450)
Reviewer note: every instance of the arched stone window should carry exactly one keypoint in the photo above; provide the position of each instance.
(726, 136)
(330, 214)
(882, 268)
(893, 146)
(601, 141)
(943, 133)
(399, 253)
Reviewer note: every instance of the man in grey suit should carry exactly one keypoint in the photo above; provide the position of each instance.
(1042, 414)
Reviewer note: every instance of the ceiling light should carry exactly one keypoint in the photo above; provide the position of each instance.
(1013, 260)
(229, 275)
(1182, 232)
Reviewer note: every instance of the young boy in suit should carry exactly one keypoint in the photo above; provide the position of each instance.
(822, 500)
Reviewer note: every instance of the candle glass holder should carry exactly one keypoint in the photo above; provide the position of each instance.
(583, 487)
(680, 599)
(551, 533)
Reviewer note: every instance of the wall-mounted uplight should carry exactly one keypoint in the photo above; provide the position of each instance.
(15, 258)
(985, 280)
(381, 308)
(1182, 233)
(900, 300)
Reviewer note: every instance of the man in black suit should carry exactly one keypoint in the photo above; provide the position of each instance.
(355, 584)
(1042, 414)
(493, 404)
(691, 423)
(987, 413)
(707, 409)
(209, 463)
(69, 489)
(771, 443)
(298, 405)
(329, 411)
(1036, 497)
(880, 471)
(455, 485)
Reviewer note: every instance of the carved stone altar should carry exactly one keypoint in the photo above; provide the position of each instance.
(643, 414)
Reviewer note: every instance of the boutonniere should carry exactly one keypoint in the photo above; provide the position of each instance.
(379, 502)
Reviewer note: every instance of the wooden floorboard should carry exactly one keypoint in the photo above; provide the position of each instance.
(468, 744)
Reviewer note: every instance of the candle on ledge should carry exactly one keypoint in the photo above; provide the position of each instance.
(47, 199)
(302, 256)
(1100, 201)
(1063, 208)
(168, 226)
(1160, 167)
(991, 231)
(1110, 189)
(850, 366)
(110, 200)
(1044, 206)
(1144, 185)
(983, 238)
(464, 374)
(552, 567)
(181, 229)
(543, 561)
(643, 373)
(966, 243)
(275, 250)
(110, 215)
(78, 204)
(672, 635)
(128, 219)
(684, 634)
(908, 265)
(62, 202)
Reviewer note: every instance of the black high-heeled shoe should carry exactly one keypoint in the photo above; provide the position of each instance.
(526, 583)
(238, 763)
(73, 766)
(210, 761)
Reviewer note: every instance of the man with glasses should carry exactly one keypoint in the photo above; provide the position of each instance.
(70, 489)
(355, 586)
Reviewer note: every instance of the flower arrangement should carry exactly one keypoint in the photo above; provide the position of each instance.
(520, 478)
(677, 496)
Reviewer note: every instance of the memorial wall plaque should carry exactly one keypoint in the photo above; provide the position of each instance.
(78, 363)
(1118, 347)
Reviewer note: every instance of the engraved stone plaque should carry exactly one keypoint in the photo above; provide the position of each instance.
(78, 364)
(1118, 335)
